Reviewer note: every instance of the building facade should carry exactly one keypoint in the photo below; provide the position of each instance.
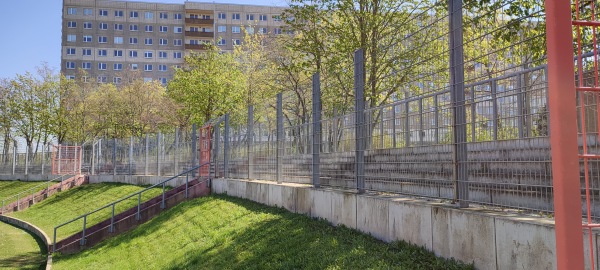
(108, 38)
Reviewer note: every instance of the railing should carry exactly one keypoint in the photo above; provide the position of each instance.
(199, 21)
(196, 46)
(199, 34)
(139, 196)
(29, 191)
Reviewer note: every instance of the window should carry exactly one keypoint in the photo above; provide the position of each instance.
(72, 38)
(102, 79)
(277, 31)
(177, 55)
(147, 79)
(117, 66)
(118, 53)
(149, 15)
(163, 15)
(162, 54)
(118, 27)
(177, 42)
(162, 68)
(133, 40)
(88, 11)
(117, 80)
(72, 11)
(147, 54)
(163, 41)
(70, 51)
(235, 29)
(249, 30)
(84, 79)
(194, 42)
(103, 26)
(236, 42)
(178, 16)
(102, 39)
(222, 16)
(87, 52)
(178, 29)
(133, 14)
(262, 17)
(277, 18)
(194, 16)
(101, 52)
(163, 80)
(149, 28)
(102, 66)
(221, 28)
(103, 12)
(148, 41)
(70, 77)
(235, 16)
(133, 27)
(118, 13)
(70, 65)
(176, 66)
(250, 17)
(87, 38)
(87, 25)
(86, 65)
(221, 42)
(147, 67)
(132, 54)
(194, 29)
(134, 66)
(72, 24)
(164, 28)
(262, 30)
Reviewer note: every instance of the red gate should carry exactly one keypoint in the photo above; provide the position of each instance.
(204, 142)
(66, 160)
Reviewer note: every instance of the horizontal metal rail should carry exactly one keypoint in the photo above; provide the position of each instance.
(31, 191)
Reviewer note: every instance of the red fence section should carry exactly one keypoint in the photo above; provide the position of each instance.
(204, 142)
(66, 159)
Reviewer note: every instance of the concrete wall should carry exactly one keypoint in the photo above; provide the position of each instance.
(136, 179)
(27, 177)
(489, 240)
(32, 229)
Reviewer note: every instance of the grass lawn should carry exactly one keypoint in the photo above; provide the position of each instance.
(19, 249)
(222, 232)
(72, 203)
(10, 188)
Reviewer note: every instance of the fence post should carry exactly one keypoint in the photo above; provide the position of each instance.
(381, 117)
(226, 148)
(158, 151)
(461, 191)
(359, 107)
(194, 149)
(436, 120)
(407, 123)
(520, 108)
(14, 159)
(250, 135)
(114, 156)
(394, 126)
(130, 155)
(494, 86)
(279, 174)
(26, 159)
(421, 127)
(473, 115)
(146, 155)
(43, 157)
(215, 154)
(176, 152)
(93, 158)
(82, 242)
(316, 130)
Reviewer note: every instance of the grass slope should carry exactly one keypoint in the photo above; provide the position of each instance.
(72, 203)
(19, 249)
(222, 232)
(10, 188)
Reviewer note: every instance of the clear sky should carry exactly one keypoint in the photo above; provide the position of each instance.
(32, 31)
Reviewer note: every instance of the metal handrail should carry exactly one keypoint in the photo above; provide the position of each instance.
(139, 194)
(31, 191)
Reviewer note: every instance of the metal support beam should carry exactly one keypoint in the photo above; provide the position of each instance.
(194, 148)
(226, 147)
(316, 130)
(114, 156)
(280, 138)
(359, 107)
(250, 140)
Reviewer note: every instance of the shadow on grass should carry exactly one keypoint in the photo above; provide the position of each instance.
(28, 260)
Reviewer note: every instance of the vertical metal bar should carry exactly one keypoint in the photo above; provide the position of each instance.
(250, 136)
(176, 152)
(18, 203)
(112, 220)
(394, 145)
(82, 242)
(54, 241)
(93, 158)
(563, 140)
(359, 106)
(407, 124)
(473, 115)
(217, 147)
(162, 204)
(43, 157)
(279, 164)
(194, 149)
(421, 128)
(130, 155)
(146, 155)
(316, 130)
(437, 119)
(187, 184)
(27, 159)
(520, 108)
(494, 85)
(381, 117)
(458, 101)
(158, 152)
(226, 147)
(114, 156)
(139, 206)
(59, 170)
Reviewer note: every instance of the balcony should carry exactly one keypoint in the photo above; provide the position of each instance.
(199, 21)
(199, 34)
(196, 46)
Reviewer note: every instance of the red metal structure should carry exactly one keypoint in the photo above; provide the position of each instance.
(66, 160)
(204, 142)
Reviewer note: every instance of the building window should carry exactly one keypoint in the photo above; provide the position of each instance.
(222, 16)
(102, 39)
(102, 66)
(235, 16)
(221, 28)
(178, 16)
(87, 38)
(118, 13)
(133, 14)
(70, 51)
(249, 30)
(87, 52)
(235, 29)
(262, 17)
(221, 42)
(103, 26)
(162, 54)
(117, 80)
(149, 15)
(134, 66)
(118, 27)
(118, 53)
(147, 54)
(70, 77)
(133, 54)
(102, 79)
(163, 15)
(133, 27)
(163, 80)
(70, 65)
(176, 66)
(236, 42)
(148, 67)
(148, 41)
(86, 65)
(72, 24)
(103, 12)
(72, 11)
(194, 29)
(262, 30)
(73, 38)
(277, 31)
(250, 17)
(146, 79)
(162, 68)
(117, 66)
(164, 28)
(149, 28)
(101, 52)
(194, 42)
(177, 42)
(133, 40)
(177, 55)
(194, 16)
(88, 11)
(87, 25)
(163, 41)
(178, 29)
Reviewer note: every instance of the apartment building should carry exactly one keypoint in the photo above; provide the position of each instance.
(108, 38)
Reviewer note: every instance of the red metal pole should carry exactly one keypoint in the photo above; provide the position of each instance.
(563, 135)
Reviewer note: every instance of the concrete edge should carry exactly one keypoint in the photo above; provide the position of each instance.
(24, 225)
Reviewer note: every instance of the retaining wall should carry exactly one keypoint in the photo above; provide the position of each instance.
(32, 229)
(28, 177)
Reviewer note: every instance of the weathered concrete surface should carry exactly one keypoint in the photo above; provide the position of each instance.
(372, 216)
(410, 222)
(343, 208)
(524, 245)
(34, 230)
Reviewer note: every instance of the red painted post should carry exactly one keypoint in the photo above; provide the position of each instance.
(563, 135)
